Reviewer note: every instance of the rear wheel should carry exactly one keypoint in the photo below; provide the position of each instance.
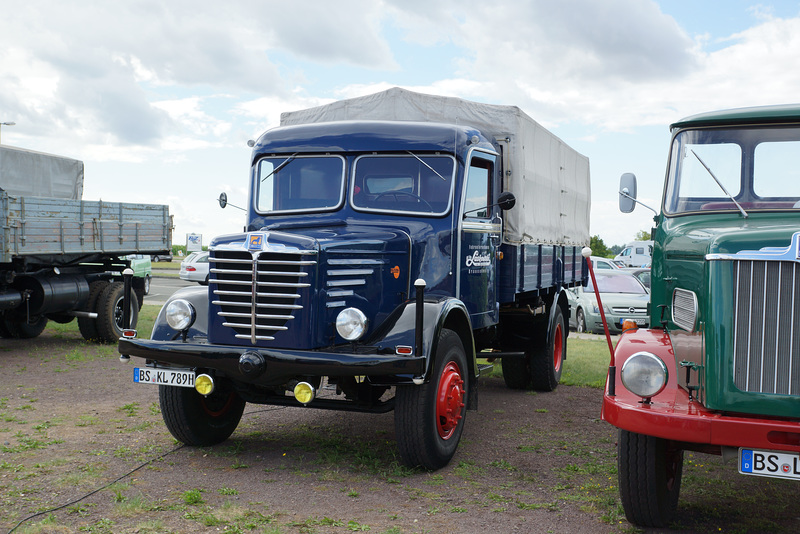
(194, 419)
(548, 361)
(429, 419)
(649, 474)
(147, 284)
(25, 330)
(87, 326)
(109, 312)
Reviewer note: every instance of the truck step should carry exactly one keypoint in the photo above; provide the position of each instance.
(485, 368)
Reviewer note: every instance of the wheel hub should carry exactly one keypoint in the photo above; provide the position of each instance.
(449, 401)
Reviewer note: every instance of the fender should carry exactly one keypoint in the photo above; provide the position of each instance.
(439, 312)
(198, 297)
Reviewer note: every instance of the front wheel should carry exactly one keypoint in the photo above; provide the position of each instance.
(25, 330)
(194, 419)
(649, 471)
(429, 419)
(580, 319)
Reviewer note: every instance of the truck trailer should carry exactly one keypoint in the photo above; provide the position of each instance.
(61, 257)
(392, 243)
(718, 371)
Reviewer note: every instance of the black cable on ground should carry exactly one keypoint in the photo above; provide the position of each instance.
(57, 508)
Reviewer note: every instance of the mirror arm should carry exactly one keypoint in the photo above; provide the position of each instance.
(626, 195)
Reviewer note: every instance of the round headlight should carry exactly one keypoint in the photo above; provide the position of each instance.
(351, 323)
(644, 374)
(180, 314)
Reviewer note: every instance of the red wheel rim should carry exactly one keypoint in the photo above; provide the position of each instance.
(558, 348)
(449, 401)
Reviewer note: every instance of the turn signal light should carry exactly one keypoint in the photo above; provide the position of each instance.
(629, 324)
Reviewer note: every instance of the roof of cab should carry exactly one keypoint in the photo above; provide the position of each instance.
(357, 136)
(752, 115)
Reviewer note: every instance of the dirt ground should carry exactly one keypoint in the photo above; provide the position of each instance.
(73, 422)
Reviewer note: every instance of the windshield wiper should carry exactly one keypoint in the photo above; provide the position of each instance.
(431, 168)
(282, 165)
(703, 163)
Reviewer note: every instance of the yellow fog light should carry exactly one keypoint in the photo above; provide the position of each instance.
(204, 384)
(304, 392)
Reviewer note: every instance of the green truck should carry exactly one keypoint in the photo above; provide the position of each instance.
(718, 371)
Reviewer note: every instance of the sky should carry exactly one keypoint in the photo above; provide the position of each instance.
(160, 98)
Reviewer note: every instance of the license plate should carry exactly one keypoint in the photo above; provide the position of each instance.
(779, 464)
(641, 321)
(163, 377)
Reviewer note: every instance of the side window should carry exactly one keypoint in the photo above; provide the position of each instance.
(478, 190)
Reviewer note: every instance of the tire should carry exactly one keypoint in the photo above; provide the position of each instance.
(204, 282)
(429, 419)
(24, 330)
(547, 363)
(200, 421)
(517, 372)
(109, 312)
(580, 319)
(88, 327)
(147, 284)
(4, 331)
(649, 471)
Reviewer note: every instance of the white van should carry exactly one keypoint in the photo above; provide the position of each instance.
(636, 254)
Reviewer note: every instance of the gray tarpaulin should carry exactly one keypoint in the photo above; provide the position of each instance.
(28, 173)
(550, 179)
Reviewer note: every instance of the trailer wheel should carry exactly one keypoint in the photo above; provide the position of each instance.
(24, 330)
(194, 419)
(547, 362)
(649, 471)
(580, 319)
(88, 327)
(429, 419)
(109, 312)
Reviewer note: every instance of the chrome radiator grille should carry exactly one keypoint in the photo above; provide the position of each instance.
(258, 292)
(766, 326)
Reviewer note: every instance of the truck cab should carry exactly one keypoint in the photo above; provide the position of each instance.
(719, 370)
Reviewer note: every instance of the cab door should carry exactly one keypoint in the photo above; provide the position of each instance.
(479, 240)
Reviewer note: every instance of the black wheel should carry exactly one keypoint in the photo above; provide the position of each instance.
(580, 319)
(88, 327)
(429, 419)
(204, 282)
(25, 330)
(109, 312)
(547, 362)
(4, 331)
(649, 471)
(147, 284)
(517, 372)
(194, 419)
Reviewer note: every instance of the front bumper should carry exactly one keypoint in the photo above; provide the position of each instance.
(277, 366)
(674, 416)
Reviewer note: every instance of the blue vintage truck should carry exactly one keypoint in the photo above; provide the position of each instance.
(391, 242)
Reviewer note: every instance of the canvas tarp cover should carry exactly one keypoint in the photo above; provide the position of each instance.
(550, 179)
(28, 173)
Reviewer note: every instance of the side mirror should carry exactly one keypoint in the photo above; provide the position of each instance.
(506, 200)
(223, 200)
(627, 192)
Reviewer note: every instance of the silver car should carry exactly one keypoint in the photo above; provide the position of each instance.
(195, 268)
(623, 296)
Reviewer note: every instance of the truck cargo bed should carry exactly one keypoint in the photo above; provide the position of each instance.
(41, 226)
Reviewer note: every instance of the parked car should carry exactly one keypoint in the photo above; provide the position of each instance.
(642, 273)
(623, 295)
(195, 268)
(161, 257)
(605, 263)
(142, 267)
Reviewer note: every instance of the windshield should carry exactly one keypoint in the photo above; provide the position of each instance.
(414, 183)
(299, 183)
(728, 168)
(624, 283)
